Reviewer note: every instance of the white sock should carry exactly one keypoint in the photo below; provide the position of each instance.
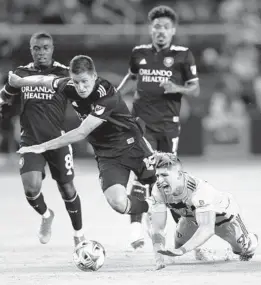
(78, 233)
(46, 214)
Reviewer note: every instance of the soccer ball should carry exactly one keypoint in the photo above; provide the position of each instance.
(89, 255)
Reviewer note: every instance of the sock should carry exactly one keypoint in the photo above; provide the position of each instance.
(37, 203)
(136, 206)
(78, 233)
(74, 210)
(47, 214)
(138, 190)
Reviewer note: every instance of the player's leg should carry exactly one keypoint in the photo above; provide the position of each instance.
(236, 234)
(32, 173)
(139, 190)
(61, 166)
(114, 178)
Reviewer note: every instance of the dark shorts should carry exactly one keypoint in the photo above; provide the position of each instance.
(60, 162)
(117, 170)
(164, 141)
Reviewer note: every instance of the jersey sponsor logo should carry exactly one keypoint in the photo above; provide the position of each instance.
(38, 92)
(99, 110)
(143, 61)
(154, 75)
(101, 90)
(168, 61)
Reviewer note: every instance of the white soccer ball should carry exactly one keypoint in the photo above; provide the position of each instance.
(89, 255)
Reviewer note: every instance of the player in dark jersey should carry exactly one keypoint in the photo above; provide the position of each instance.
(116, 136)
(42, 116)
(164, 73)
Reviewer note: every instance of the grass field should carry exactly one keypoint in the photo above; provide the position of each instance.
(23, 260)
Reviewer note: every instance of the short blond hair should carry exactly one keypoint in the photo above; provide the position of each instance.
(166, 160)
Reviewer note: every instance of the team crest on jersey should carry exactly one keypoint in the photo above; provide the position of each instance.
(21, 162)
(168, 61)
(99, 110)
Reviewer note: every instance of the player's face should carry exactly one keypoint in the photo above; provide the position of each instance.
(42, 51)
(162, 31)
(169, 180)
(84, 83)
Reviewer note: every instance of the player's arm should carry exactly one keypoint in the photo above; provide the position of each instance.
(87, 126)
(206, 229)
(157, 219)
(34, 80)
(191, 87)
(129, 82)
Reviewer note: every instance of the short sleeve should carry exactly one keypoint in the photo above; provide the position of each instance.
(202, 199)
(190, 68)
(104, 107)
(134, 62)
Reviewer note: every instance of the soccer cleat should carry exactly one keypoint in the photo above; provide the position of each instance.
(137, 244)
(78, 240)
(46, 228)
(249, 252)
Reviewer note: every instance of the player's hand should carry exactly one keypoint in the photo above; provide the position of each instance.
(14, 80)
(39, 148)
(174, 252)
(171, 87)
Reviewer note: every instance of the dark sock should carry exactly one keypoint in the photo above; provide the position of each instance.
(37, 203)
(136, 206)
(74, 210)
(138, 190)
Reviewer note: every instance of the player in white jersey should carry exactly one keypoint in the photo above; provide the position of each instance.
(204, 212)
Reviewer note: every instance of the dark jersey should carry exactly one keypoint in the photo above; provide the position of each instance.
(42, 110)
(119, 132)
(175, 63)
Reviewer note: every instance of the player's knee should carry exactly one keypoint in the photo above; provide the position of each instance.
(32, 182)
(117, 197)
(67, 190)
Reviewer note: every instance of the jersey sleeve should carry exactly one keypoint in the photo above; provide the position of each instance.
(59, 84)
(203, 199)
(134, 62)
(107, 101)
(190, 68)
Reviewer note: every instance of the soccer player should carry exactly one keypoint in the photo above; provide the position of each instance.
(204, 212)
(116, 136)
(42, 117)
(163, 72)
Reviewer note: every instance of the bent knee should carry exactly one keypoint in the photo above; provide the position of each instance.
(67, 190)
(117, 198)
(32, 182)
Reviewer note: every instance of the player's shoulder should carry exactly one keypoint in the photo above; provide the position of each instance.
(104, 87)
(22, 69)
(178, 48)
(142, 48)
(60, 65)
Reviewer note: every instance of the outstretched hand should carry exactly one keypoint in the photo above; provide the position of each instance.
(14, 80)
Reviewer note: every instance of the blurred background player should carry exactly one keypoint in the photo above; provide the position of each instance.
(204, 212)
(164, 73)
(42, 117)
(115, 135)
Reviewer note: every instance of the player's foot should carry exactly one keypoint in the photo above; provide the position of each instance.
(78, 240)
(46, 228)
(137, 239)
(250, 251)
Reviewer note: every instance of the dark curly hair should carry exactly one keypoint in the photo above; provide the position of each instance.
(163, 11)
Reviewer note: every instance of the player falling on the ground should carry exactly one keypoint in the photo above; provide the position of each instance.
(204, 212)
(113, 132)
(164, 73)
(42, 116)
